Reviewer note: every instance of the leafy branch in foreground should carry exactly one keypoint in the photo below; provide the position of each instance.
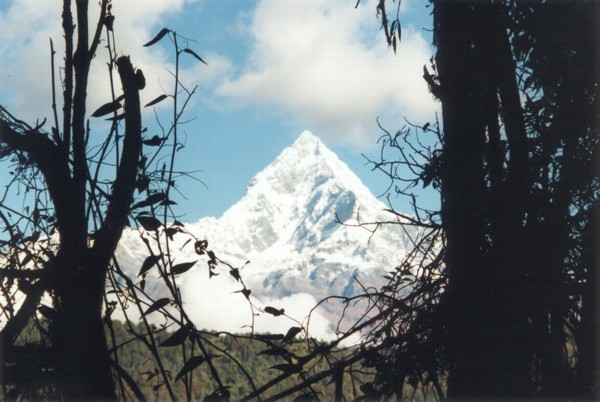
(77, 192)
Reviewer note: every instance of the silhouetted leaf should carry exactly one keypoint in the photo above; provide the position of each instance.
(150, 200)
(399, 33)
(149, 262)
(292, 332)
(235, 273)
(287, 368)
(190, 51)
(427, 174)
(191, 364)
(200, 246)
(35, 216)
(157, 100)
(185, 244)
(157, 305)
(156, 198)
(154, 141)
(369, 390)
(171, 231)
(140, 80)
(35, 236)
(149, 223)
(142, 184)
(177, 338)
(426, 126)
(25, 286)
(181, 268)
(108, 22)
(274, 311)
(158, 37)
(245, 292)
(221, 394)
(107, 108)
(47, 312)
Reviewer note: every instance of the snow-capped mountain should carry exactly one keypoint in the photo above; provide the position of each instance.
(285, 225)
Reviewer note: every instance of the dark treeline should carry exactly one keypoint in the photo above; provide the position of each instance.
(136, 360)
(518, 83)
(518, 173)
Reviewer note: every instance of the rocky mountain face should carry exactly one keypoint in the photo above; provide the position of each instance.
(287, 226)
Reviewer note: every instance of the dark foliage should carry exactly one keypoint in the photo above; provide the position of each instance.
(516, 167)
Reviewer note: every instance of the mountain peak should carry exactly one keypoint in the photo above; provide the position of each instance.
(303, 167)
(307, 142)
(287, 225)
(296, 200)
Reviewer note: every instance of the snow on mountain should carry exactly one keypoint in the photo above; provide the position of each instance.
(285, 225)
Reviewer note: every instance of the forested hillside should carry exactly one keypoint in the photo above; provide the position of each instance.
(136, 360)
(259, 360)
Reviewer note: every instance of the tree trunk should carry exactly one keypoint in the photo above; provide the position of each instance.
(484, 323)
(462, 199)
(76, 276)
(78, 335)
(83, 365)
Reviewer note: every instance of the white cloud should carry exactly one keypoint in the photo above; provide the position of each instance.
(329, 66)
(211, 307)
(216, 303)
(324, 63)
(25, 53)
(212, 304)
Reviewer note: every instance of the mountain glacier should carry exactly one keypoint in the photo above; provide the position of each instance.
(287, 226)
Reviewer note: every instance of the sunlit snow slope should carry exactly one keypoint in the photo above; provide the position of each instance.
(285, 225)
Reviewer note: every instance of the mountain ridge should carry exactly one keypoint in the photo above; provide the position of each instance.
(286, 226)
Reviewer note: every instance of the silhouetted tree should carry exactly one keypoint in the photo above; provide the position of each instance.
(63, 243)
(518, 177)
(75, 273)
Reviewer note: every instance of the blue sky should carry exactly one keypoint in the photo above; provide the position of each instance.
(275, 68)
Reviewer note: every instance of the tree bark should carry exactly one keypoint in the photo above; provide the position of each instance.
(83, 365)
(463, 193)
(78, 335)
(484, 325)
(76, 275)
